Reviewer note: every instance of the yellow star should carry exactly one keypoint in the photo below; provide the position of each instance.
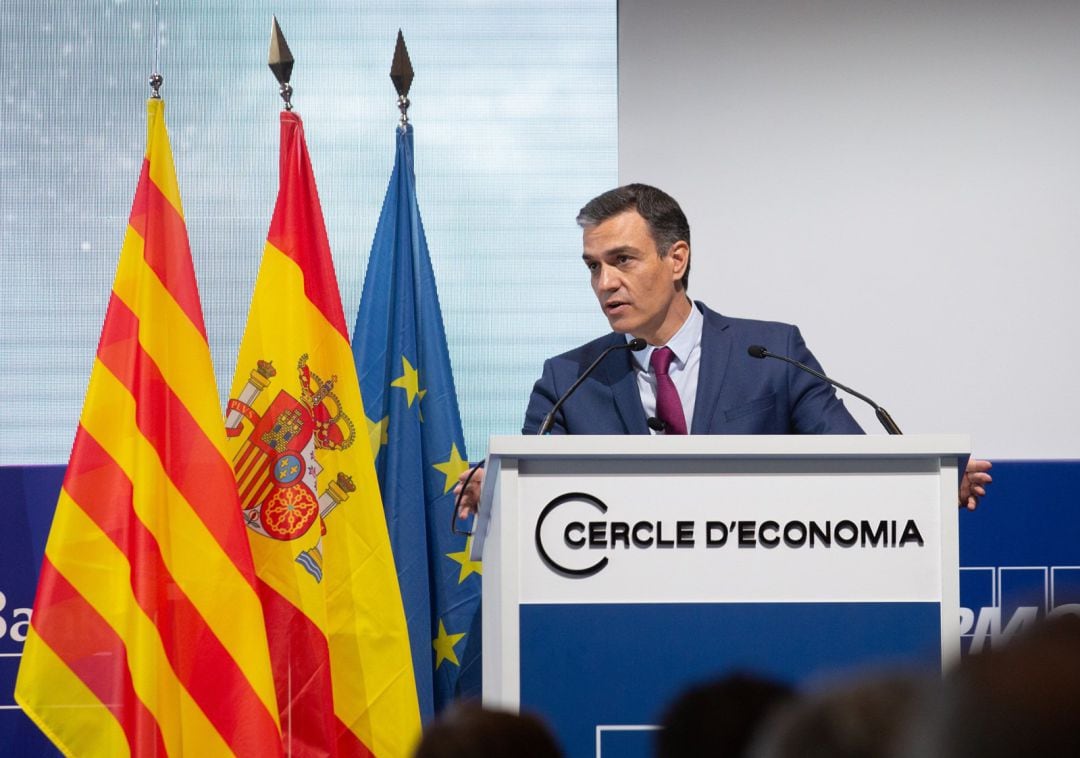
(444, 646)
(468, 568)
(452, 468)
(378, 434)
(409, 381)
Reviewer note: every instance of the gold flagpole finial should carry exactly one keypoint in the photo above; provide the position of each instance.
(401, 74)
(281, 62)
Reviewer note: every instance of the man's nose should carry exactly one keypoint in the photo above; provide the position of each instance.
(607, 280)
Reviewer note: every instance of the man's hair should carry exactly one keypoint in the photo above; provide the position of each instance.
(467, 730)
(1017, 699)
(665, 218)
(866, 717)
(719, 718)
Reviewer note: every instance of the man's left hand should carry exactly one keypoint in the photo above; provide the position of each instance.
(974, 482)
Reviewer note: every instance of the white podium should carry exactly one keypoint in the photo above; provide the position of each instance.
(617, 570)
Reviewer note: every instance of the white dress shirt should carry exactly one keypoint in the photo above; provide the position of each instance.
(686, 345)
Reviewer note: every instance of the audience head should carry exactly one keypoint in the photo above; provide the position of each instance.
(718, 718)
(1020, 700)
(864, 718)
(470, 731)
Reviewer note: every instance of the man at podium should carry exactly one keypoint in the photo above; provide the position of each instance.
(693, 375)
(671, 365)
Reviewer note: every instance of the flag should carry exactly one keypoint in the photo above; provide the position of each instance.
(310, 498)
(147, 633)
(401, 356)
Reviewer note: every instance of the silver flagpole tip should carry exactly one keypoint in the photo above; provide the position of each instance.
(156, 81)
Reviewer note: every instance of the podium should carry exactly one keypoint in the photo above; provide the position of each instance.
(619, 570)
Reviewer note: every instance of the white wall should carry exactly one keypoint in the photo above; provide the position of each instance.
(901, 179)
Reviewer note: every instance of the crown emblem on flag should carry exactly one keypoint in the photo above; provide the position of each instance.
(277, 468)
(333, 429)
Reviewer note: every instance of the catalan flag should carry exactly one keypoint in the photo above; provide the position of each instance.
(147, 632)
(404, 365)
(310, 497)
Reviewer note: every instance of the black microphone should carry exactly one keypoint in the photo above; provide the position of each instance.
(635, 344)
(657, 425)
(757, 351)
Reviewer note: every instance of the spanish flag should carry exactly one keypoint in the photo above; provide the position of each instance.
(298, 441)
(147, 633)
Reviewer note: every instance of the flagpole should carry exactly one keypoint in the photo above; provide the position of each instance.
(281, 62)
(336, 624)
(155, 76)
(399, 346)
(136, 611)
(401, 74)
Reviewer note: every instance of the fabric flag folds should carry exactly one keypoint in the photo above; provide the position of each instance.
(401, 356)
(147, 633)
(310, 497)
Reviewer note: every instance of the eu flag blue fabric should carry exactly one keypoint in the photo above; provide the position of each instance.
(399, 345)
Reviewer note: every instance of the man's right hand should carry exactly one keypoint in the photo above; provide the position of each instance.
(470, 499)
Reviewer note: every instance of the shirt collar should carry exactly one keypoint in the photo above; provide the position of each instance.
(682, 342)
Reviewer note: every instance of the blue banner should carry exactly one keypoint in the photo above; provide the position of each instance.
(27, 499)
(592, 695)
(1018, 556)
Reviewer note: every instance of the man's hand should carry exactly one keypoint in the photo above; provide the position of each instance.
(973, 484)
(470, 500)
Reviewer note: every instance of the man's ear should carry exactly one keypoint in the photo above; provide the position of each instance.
(680, 259)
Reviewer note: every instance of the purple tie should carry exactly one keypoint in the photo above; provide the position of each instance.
(668, 406)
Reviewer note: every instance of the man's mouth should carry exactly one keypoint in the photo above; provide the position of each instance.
(615, 307)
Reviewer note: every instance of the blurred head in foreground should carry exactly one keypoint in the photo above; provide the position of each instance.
(717, 719)
(863, 718)
(470, 731)
(1020, 700)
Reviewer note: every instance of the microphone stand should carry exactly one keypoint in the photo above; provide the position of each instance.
(757, 351)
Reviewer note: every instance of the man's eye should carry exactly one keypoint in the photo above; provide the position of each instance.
(592, 265)
(623, 259)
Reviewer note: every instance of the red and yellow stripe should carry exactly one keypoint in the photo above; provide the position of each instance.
(340, 647)
(147, 635)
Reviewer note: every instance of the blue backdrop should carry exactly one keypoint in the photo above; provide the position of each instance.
(1018, 554)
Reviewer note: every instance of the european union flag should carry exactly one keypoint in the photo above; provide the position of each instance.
(400, 349)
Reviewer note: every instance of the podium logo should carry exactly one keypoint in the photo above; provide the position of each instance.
(997, 602)
(545, 556)
(569, 541)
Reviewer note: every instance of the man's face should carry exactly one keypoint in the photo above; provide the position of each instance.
(635, 286)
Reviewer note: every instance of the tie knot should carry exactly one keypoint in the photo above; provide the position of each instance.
(660, 360)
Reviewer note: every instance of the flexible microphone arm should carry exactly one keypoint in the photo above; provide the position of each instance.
(633, 345)
(757, 351)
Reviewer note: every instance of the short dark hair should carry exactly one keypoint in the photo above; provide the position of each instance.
(719, 717)
(1017, 699)
(467, 730)
(665, 218)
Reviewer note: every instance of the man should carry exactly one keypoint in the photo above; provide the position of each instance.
(637, 251)
(694, 375)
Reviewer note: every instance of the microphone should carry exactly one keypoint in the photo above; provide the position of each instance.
(757, 351)
(657, 425)
(634, 345)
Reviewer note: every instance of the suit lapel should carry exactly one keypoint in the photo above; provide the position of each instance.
(715, 352)
(617, 371)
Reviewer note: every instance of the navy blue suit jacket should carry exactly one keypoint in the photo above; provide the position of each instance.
(736, 394)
